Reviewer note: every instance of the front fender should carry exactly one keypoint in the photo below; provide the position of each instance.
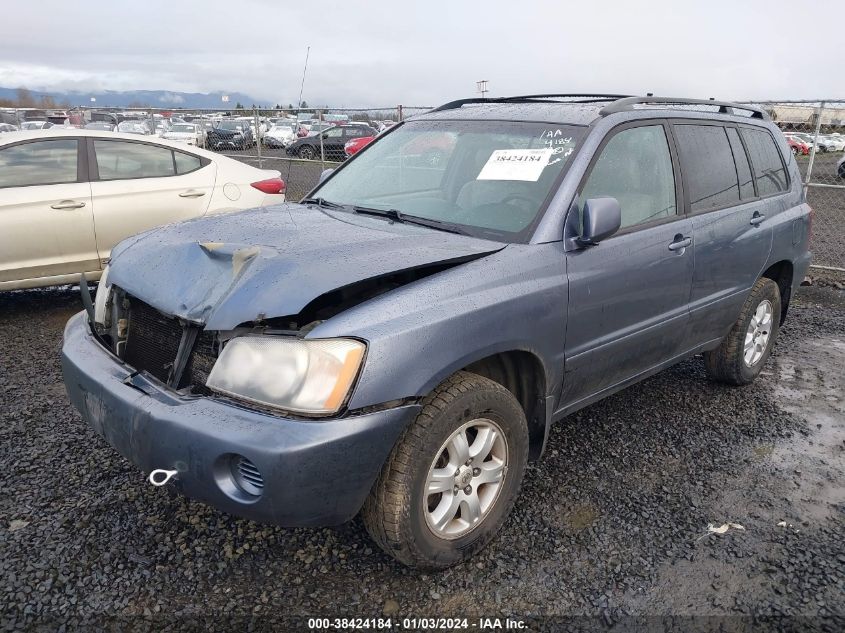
(417, 335)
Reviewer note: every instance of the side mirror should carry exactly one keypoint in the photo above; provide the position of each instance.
(601, 218)
(326, 173)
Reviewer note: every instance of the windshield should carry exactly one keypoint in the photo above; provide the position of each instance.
(232, 125)
(132, 126)
(183, 128)
(490, 177)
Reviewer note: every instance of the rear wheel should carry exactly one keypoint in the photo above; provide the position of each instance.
(452, 477)
(740, 357)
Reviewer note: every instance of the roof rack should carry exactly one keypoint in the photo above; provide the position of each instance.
(539, 98)
(725, 107)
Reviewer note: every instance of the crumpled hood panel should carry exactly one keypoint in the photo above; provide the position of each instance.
(225, 270)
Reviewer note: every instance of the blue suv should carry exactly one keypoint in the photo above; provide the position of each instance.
(400, 341)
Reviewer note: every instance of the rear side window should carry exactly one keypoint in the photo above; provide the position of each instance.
(769, 170)
(710, 175)
(121, 160)
(50, 162)
(186, 163)
(635, 167)
(743, 169)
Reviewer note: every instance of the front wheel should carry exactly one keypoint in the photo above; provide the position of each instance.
(453, 476)
(741, 355)
(306, 152)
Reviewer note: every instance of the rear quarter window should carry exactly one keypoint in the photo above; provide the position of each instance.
(767, 162)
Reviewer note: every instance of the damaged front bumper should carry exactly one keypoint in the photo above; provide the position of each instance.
(252, 464)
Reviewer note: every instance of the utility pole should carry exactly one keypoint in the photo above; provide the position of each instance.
(481, 86)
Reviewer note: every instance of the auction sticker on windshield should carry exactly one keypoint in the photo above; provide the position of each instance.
(515, 164)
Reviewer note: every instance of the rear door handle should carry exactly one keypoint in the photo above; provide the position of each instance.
(757, 218)
(680, 243)
(192, 193)
(67, 204)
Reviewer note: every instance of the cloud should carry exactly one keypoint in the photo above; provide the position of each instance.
(382, 54)
(171, 99)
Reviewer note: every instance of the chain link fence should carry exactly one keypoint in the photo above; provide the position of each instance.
(300, 143)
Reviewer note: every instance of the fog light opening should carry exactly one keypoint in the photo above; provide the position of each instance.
(247, 476)
(238, 478)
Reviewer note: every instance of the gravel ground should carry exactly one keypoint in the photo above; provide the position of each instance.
(612, 524)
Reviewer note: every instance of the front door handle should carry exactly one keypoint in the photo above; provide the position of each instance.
(757, 218)
(67, 204)
(192, 193)
(680, 243)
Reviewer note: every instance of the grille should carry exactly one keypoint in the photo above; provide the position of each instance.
(199, 364)
(152, 340)
(247, 476)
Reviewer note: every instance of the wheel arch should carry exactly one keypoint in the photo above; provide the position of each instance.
(523, 374)
(782, 274)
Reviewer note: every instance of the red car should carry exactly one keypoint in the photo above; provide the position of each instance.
(797, 146)
(356, 145)
(432, 149)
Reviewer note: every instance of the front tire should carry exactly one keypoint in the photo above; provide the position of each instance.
(306, 152)
(741, 355)
(452, 477)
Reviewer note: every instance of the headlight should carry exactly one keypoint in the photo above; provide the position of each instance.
(101, 299)
(291, 374)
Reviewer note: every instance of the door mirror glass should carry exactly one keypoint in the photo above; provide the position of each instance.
(601, 218)
(326, 173)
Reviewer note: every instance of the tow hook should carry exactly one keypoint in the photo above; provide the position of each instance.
(160, 476)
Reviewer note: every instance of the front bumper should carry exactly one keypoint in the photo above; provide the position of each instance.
(315, 472)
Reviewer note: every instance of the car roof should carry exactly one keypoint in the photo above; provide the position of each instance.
(585, 109)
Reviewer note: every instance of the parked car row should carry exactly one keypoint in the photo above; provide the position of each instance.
(801, 143)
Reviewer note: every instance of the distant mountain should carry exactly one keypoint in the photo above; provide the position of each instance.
(147, 98)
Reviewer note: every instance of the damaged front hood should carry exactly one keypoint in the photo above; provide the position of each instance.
(225, 270)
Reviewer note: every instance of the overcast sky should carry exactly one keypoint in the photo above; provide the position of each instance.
(429, 51)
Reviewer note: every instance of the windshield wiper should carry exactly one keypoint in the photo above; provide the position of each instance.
(405, 218)
(322, 203)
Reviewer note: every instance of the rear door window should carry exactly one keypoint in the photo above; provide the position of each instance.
(767, 162)
(635, 167)
(39, 163)
(710, 175)
(743, 169)
(123, 160)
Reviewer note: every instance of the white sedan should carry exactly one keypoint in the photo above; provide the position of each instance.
(68, 196)
(186, 133)
(280, 135)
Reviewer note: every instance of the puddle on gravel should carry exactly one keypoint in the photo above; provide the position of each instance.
(809, 381)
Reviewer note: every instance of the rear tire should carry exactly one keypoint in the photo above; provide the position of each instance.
(741, 355)
(421, 513)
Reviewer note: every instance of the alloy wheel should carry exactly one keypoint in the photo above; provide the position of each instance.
(465, 479)
(758, 333)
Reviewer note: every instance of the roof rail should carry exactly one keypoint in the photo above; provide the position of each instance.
(539, 98)
(725, 107)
